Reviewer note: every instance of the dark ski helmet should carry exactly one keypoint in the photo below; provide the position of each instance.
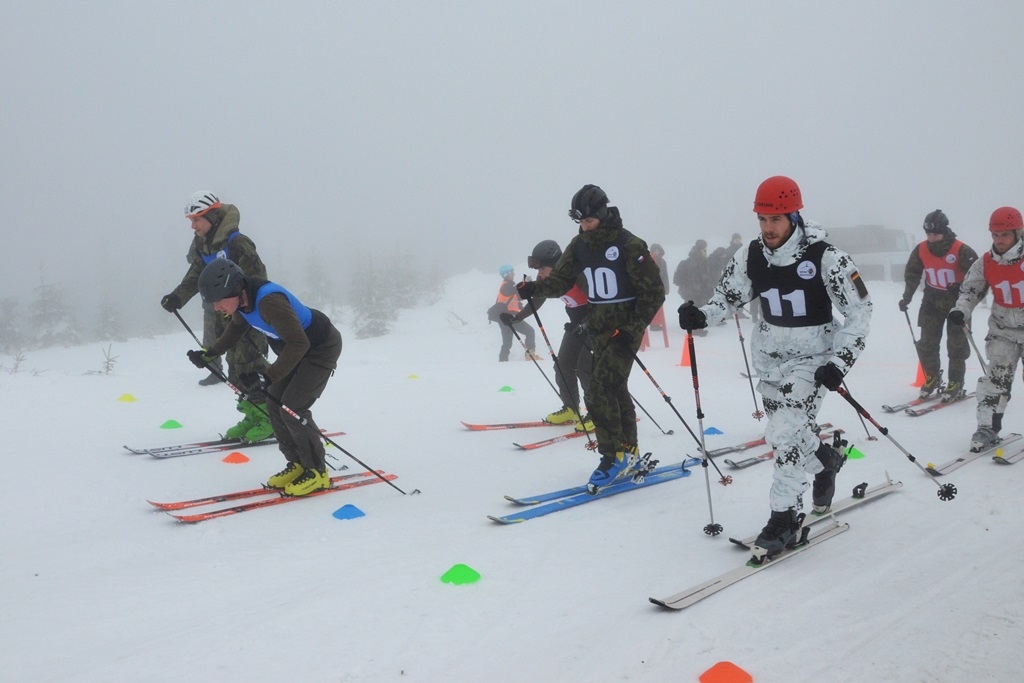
(936, 222)
(220, 279)
(546, 253)
(590, 202)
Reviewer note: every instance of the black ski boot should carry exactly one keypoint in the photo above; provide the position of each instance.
(833, 458)
(781, 532)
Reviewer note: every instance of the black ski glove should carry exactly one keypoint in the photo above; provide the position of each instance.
(956, 317)
(200, 358)
(622, 337)
(507, 319)
(903, 304)
(171, 303)
(692, 318)
(829, 376)
(526, 289)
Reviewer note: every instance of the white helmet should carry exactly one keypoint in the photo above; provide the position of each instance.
(201, 202)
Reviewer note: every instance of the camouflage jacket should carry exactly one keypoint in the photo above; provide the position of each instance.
(778, 351)
(632, 317)
(241, 250)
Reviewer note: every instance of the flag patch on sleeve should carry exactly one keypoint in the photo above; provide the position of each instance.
(862, 289)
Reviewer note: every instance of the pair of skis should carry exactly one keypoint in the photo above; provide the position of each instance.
(930, 403)
(817, 529)
(770, 455)
(262, 497)
(526, 425)
(214, 446)
(996, 450)
(554, 501)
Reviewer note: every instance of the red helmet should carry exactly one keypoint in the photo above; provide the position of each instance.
(1005, 218)
(778, 195)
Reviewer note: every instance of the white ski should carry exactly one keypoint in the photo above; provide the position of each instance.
(691, 596)
(861, 494)
(957, 463)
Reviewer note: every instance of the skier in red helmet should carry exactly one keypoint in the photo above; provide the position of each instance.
(799, 350)
(1000, 269)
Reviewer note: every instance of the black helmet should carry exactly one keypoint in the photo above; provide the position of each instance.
(589, 202)
(220, 279)
(546, 253)
(936, 222)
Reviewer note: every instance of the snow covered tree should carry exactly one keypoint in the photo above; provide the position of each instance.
(372, 300)
(11, 336)
(51, 321)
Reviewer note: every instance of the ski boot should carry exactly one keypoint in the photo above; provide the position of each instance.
(261, 428)
(954, 391)
(983, 439)
(782, 531)
(586, 425)
(833, 458)
(613, 466)
(932, 383)
(239, 430)
(209, 380)
(286, 476)
(532, 355)
(562, 416)
(309, 481)
(643, 466)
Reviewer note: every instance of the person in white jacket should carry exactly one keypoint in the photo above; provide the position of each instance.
(1000, 269)
(799, 350)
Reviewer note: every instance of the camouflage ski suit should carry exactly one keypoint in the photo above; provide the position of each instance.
(225, 241)
(1004, 343)
(625, 292)
(786, 350)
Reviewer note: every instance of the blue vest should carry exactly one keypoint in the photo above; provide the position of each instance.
(223, 253)
(256, 320)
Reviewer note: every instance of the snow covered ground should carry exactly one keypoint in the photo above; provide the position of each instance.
(95, 585)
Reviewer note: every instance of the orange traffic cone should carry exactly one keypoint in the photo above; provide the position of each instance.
(684, 361)
(920, 377)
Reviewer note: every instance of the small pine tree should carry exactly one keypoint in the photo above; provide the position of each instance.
(372, 300)
(11, 336)
(319, 289)
(108, 323)
(52, 321)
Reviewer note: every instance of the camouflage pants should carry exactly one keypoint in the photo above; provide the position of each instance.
(932, 322)
(792, 407)
(994, 388)
(608, 399)
(248, 355)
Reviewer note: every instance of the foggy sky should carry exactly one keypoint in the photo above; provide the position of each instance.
(456, 132)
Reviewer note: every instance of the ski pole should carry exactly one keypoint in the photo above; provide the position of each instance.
(870, 436)
(911, 328)
(725, 479)
(712, 529)
(758, 413)
(668, 433)
(945, 492)
(185, 324)
(970, 338)
(306, 423)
